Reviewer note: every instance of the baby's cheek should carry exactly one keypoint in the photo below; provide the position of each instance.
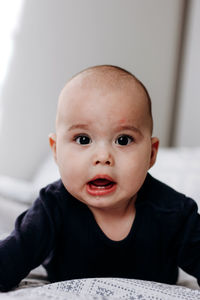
(70, 174)
(135, 169)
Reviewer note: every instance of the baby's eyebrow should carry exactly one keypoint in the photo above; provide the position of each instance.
(78, 126)
(118, 128)
(129, 127)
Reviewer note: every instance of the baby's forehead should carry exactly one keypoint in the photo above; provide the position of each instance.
(104, 81)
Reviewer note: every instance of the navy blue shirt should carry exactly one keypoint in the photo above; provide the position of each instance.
(61, 233)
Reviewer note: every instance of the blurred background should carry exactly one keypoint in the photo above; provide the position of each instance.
(45, 42)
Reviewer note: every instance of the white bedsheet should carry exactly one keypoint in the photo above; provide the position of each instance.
(105, 289)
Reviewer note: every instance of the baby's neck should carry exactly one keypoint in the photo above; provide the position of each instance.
(116, 223)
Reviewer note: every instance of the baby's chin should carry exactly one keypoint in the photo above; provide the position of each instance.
(106, 204)
(95, 202)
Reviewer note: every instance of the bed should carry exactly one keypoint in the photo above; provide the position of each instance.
(179, 168)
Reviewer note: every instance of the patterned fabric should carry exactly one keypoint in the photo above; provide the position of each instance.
(105, 289)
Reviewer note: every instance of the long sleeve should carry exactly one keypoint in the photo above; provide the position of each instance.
(31, 241)
(189, 242)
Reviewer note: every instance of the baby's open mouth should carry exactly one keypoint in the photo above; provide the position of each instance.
(100, 186)
(101, 183)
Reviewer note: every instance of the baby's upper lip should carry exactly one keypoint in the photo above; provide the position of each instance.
(102, 176)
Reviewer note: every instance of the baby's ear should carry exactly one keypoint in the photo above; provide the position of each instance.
(154, 150)
(52, 143)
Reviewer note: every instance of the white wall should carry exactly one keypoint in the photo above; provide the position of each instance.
(57, 38)
(188, 119)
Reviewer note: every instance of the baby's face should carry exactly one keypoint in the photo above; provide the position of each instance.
(103, 145)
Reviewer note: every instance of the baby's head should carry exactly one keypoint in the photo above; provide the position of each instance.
(103, 143)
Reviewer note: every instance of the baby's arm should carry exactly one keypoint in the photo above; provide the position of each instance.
(30, 243)
(189, 242)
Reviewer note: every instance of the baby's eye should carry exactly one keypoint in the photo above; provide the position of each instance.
(83, 139)
(124, 140)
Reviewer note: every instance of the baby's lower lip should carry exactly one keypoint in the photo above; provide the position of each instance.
(100, 190)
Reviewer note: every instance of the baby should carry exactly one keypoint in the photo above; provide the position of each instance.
(106, 217)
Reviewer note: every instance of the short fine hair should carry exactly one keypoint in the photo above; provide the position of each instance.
(117, 74)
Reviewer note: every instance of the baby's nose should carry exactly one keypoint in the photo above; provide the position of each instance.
(103, 157)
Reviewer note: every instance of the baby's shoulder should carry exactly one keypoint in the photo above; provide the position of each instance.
(53, 188)
(54, 194)
(163, 197)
